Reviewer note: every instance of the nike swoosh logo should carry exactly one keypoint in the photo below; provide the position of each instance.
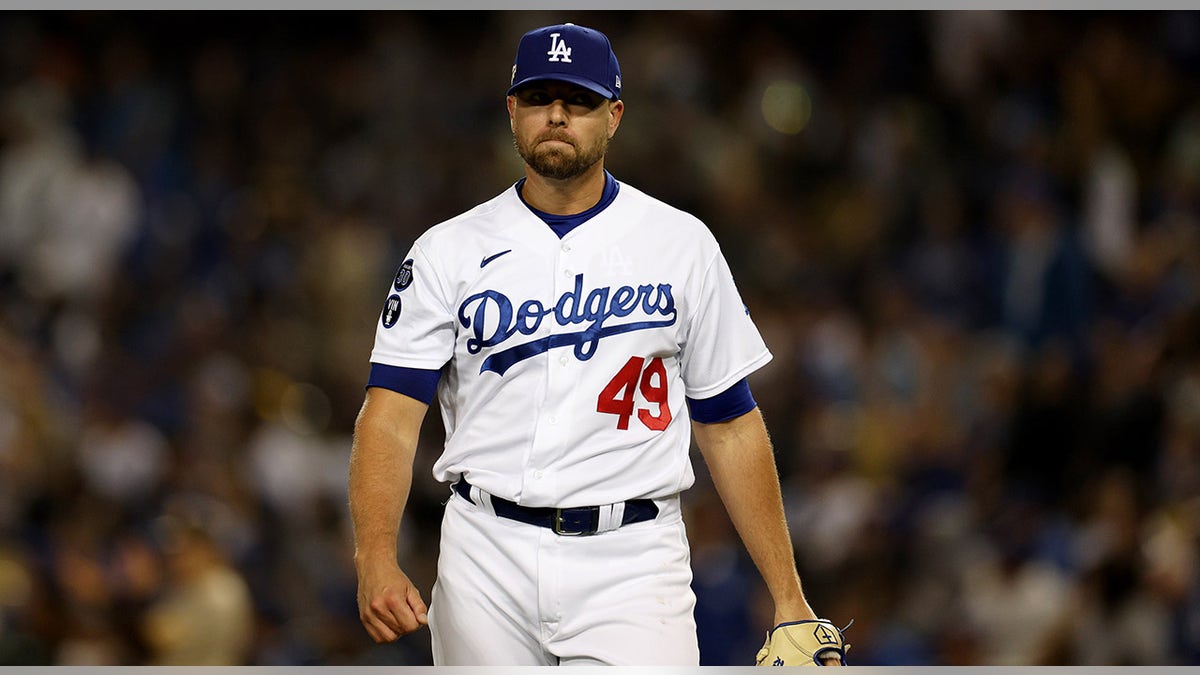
(490, 258)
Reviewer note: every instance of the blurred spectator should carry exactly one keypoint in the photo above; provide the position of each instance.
(204, 616)
(1014, 601)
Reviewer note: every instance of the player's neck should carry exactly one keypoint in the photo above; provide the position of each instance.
(564, 197)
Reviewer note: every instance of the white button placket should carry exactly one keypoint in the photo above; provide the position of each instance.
(552, 436)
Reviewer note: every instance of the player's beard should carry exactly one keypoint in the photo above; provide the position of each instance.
(554, 162)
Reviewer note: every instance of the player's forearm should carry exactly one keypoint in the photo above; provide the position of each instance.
(740, 459)
(376, 504)
(379, 487)
(381, 461)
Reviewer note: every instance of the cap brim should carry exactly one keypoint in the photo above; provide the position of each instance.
(582, 82)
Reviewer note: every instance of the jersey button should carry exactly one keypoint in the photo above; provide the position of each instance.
(562, 360)
(553, 419)
(566, 248)
(537, 475)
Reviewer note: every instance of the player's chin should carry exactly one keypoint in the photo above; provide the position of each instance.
(557, 167)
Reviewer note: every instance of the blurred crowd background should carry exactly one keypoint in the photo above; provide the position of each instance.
(971, 239)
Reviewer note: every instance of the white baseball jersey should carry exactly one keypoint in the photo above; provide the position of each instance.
(566, 361)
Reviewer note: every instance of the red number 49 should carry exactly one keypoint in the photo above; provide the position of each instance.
(617, 396)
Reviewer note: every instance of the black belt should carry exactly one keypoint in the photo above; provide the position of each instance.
(577, 521)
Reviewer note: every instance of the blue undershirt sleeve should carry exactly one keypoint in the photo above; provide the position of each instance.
(733, 402)
(418, 383)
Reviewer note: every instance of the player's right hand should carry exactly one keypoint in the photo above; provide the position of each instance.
(389, 605)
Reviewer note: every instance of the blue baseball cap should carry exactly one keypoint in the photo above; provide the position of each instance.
(569, 53)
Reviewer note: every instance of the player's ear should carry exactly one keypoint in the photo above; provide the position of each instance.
(615, 110)
(510, 102)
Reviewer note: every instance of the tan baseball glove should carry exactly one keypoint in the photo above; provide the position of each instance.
(803, 643)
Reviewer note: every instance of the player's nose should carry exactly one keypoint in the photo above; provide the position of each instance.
(557, 111)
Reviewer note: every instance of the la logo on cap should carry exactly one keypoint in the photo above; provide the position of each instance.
(559, 51)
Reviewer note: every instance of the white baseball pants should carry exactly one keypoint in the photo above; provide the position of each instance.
(513, 594)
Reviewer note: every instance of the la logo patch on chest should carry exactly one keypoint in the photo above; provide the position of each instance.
(618, 263)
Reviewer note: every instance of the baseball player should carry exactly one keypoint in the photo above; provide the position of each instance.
(576, 332)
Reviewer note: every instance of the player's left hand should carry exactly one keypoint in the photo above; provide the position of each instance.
(804, 643)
